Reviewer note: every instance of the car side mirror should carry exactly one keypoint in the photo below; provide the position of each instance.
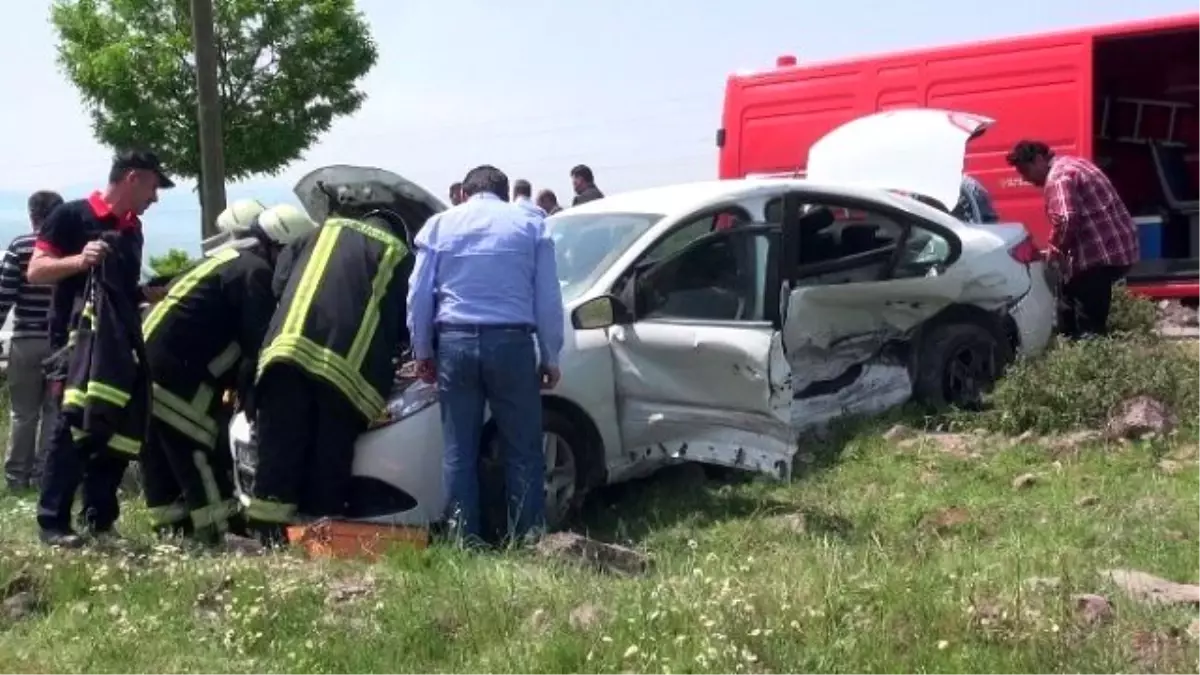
(601, 312)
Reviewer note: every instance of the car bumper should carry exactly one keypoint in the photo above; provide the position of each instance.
(1035, 314)
(406, 455)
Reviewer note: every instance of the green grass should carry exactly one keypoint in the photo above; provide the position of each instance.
(872, 582)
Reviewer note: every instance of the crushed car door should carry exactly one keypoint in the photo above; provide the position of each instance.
(858, 278)
(700, 369)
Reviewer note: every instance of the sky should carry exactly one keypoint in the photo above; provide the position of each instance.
(532, 86)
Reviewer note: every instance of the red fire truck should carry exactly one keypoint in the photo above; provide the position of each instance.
(1123, 95)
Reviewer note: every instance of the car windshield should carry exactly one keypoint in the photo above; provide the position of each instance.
(586, 244)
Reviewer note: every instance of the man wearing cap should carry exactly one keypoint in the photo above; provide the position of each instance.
(75, 238)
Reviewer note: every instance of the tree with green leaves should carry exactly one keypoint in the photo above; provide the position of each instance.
(172, 263)
(286, 69)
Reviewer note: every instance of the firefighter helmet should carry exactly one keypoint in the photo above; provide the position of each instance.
(239, 216)
(285, 223)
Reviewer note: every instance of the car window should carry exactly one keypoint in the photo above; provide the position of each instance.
(691, 230)
(586, 244)
(722, 277)
(840, 245)
(925, 254)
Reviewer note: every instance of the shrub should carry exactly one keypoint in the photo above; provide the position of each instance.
(1076, 384)
(172, 263)
(1132, 314)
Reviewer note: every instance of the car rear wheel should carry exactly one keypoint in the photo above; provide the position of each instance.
(957, 364)
(562, 446)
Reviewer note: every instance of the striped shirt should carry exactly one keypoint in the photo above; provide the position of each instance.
(30, 303)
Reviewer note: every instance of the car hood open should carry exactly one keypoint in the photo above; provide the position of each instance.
(360, 189)
(919, 150)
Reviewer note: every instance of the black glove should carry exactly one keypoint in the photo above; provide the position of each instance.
(247, 403)
(245, 388)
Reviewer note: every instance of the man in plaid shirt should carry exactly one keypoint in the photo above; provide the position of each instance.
(1093, 239)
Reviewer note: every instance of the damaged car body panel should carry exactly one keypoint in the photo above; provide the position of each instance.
(713, 394)
(869, 276)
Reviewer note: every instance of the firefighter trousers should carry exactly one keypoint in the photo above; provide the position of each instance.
(306, 435)
(189, 486)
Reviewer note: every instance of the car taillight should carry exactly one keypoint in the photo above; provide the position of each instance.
(1026, 252)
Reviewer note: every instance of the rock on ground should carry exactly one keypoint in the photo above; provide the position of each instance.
(578, 549)
(899, 432)
(960, 446)
(1093, 609)
(1072, 442)
(1025, 480)
(19, 598)
(1176, 315)
(341, 591)
(1139, 416)
(1149, 589)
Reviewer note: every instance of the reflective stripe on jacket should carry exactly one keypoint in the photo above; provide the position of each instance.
(213, 319)
(106, 392)
(341, 314)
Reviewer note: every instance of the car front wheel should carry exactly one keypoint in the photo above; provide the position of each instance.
(561, 448)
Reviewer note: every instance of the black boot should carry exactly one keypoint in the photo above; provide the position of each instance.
(270, 535)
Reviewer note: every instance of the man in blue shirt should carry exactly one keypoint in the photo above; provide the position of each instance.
(523, 197)
(484, 284)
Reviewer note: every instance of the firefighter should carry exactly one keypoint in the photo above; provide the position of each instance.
(201, 341)
(233, 224)
(325, 368)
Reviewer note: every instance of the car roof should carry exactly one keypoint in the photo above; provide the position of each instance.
(669, 199)
(683, 197)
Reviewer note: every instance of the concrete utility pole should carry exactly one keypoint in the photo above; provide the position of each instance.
(212, 151)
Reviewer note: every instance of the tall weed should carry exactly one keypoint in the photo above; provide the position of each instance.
(1076, 384)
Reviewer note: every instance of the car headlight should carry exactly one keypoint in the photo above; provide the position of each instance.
(417, 397)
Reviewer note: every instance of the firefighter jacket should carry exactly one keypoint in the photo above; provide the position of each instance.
(106, 392)
(204, 338)
(341, 315)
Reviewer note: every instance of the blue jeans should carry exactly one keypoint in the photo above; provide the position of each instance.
(496, 366)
